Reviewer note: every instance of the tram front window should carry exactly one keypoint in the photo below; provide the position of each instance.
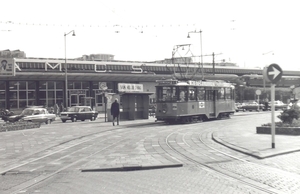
(166, 94)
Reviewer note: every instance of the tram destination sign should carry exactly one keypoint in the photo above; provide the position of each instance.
(209, 83)
(7, 67)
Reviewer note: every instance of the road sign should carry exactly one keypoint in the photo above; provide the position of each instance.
(258, 92)
(272, 73)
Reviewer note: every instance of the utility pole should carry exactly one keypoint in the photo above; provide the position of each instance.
(213, 55)
(213, 62)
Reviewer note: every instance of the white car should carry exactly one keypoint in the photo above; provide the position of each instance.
(35, 114)
(279, 105)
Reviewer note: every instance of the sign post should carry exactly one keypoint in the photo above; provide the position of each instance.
(258, 93)
(273, 74)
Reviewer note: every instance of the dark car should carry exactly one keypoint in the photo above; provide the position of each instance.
(253, 106)
(75, 113)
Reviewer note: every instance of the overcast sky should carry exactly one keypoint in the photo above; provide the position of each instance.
(250, 33)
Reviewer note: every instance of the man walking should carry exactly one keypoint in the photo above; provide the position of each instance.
(115, 111)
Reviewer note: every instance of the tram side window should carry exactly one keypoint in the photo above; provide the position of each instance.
(182, 91)
(221, 94)
(228, 93)
(192, 93)
(166, 94)
(200, 94)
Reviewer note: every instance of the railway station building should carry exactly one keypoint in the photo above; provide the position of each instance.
(45, 81)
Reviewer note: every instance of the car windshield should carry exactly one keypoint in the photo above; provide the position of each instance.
(74, 109)
(27, 112)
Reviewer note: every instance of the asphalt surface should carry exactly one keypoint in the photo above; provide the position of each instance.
(248, 142)
(147, 156)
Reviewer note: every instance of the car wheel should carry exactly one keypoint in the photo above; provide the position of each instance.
(63, 121)
(48, 121)
(92, 118)
(74, 119)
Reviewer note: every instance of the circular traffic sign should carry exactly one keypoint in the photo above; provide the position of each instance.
(258, 92)
(272, 73)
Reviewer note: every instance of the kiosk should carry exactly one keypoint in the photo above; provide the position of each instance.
(135, 106)
(134, 103)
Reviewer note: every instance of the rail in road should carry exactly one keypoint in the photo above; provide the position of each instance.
(189, 145)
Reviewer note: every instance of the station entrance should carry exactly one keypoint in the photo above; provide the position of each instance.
(100, 99)
(76, 97)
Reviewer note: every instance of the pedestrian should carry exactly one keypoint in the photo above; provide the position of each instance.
(61, 107)
(115, 111)
(56, 109)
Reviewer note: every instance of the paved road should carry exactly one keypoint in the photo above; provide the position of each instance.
(197, 159)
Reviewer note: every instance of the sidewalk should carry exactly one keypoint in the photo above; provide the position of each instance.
(258, 145)
(247, 141)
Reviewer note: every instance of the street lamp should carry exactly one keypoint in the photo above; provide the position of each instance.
(66, 67)
(200, 32)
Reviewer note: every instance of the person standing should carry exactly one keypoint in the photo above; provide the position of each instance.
(61, 107)
(56, 109)
(115, 111)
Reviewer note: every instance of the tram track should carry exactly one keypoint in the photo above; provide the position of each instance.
(86, 147)
(197, 161)
(61, 146)
(177, 145)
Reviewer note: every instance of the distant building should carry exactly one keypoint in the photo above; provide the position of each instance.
(189, 60)
(177, 60)
(96, 57)
(12, 54)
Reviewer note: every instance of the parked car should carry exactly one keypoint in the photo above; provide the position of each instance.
(34, 114)
(253, 106)
(279, 105)
(293, 104)
(239, 107)
(5, 114)
(78, 113)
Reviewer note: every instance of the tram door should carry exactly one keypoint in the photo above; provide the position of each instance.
(211, 96)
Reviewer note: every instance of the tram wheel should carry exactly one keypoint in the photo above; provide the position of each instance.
(186, 120)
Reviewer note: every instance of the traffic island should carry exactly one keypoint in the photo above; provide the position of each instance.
(279, 130)
(132, 168)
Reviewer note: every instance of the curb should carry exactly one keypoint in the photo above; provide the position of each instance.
(132, 168)
(238, 149)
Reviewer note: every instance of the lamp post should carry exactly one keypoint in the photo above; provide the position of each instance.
(66, 67)
(200, 32)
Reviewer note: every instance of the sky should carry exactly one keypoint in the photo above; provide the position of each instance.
(249, 33)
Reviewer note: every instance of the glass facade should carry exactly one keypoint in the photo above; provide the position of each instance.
(50, 92)
(43, 93)
(2, 95)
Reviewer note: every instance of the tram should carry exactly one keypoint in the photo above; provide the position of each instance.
(192, 101)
